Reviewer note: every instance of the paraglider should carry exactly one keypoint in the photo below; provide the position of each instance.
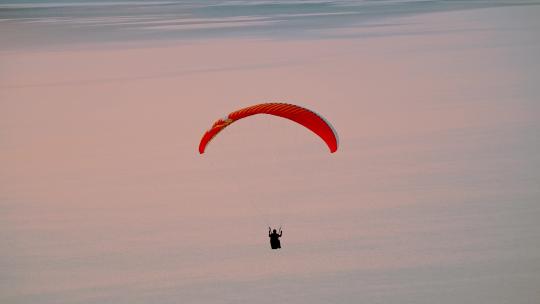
(274, 238)
(307, 118)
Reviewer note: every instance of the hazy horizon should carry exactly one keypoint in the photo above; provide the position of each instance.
(65, 23)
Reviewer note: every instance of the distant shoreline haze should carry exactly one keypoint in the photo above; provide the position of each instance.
(48, 24)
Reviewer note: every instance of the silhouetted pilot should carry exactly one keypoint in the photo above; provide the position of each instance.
(274, 238)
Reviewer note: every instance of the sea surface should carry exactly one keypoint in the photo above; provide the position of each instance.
(432, 197)
(46, 23)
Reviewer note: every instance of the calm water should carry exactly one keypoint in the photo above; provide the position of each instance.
(46, 23)
(433, 196)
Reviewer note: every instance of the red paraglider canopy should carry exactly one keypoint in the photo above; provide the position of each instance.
(309, 119)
